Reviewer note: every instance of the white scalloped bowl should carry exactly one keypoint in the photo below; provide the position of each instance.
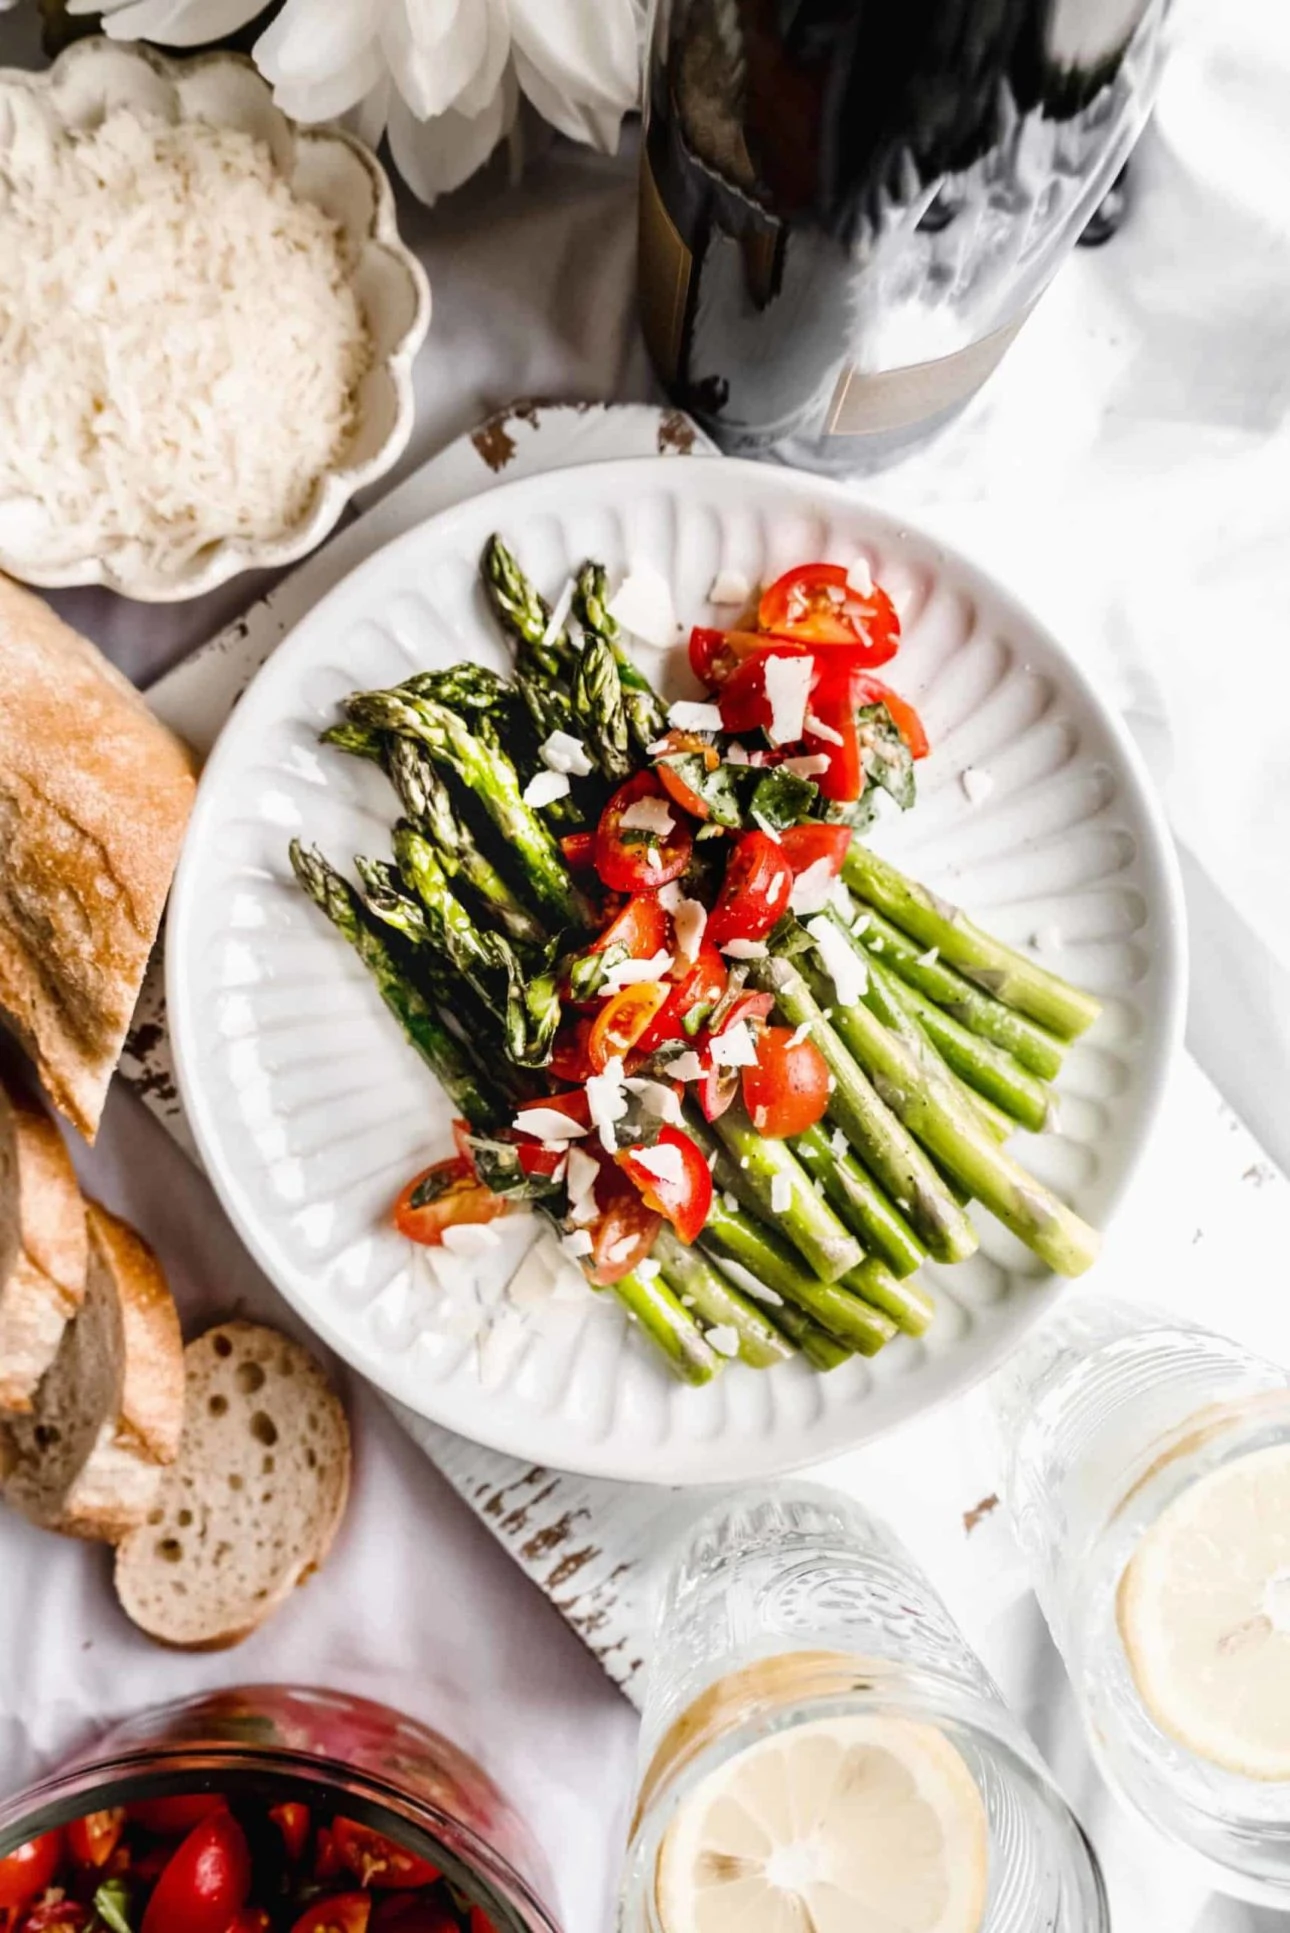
(323, 165)
(310, 1111)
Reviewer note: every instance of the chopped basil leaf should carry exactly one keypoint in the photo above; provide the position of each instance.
(885, 755)
(782, 798)
(498, 1165)
(112, 1904)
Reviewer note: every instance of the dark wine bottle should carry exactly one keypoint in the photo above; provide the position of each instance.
(848, 207)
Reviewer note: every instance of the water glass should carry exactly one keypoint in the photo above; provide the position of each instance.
(794, 1605)
(1109, 1416)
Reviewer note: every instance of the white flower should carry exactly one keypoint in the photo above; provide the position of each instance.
(440, 78)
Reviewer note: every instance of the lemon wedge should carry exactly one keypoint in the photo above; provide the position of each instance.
(1204, 1615)
(856, 1824)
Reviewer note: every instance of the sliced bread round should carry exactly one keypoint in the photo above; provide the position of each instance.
(250, 1509)
(109, 1412)
(42, 1247)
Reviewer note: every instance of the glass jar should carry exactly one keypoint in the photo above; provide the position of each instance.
(271, 1743)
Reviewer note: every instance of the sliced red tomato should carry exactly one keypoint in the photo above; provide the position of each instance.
(641, 927)
(413, 1913)
(716, 1090)
(452, 1196)
(377, 1861)
(833, 709)
(700, 985)
(93, 1839)
(252, 1919)
(342, 1913)
(570, 1060)
(678, 744)
(574, 1105)
(204, 1884)
(816, 605)
(633, 861)
(683, 1194)
(29, 1869)
(624, 1230)
(622, 1019)
(716, 655)
(746, 1006)
(742, 699)
(579, 849)
(872, 691)
(327, 1860)
(810, 842)
(293, 1821)
(787, 1091)
(480, 1922)
(175, 1818)
(754, 892)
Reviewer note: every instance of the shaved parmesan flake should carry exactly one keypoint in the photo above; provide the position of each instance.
(788, 686)
(686, 1067)
(652, 860)
(648, 815)
(809, 766)
(736, 754)
(582, 1173)
(548, 1124)
(621, 1249)
(559, 612)
(818, 729)
(799, 1034)
(842, 963)
(929, 958)
(579, 1243)
(470, 1238)
(977, 784)
(669, 896)
(735, 1047)
(812, 888)
(860, 577)
(745, 949)
(544, 788)
(694, 715)
(689, 919)
(781, 1194)
(1049, 939)
(648, 1269)
(657, 1097)
(629, 973)
(643, 605)
(838, 1143)
(771, 832)
(562, 752)
(664, 1162)
(729, 587)
(724, 1339)
(861, 924)
(729, 1202)
(760, 1118)
(607, 1101)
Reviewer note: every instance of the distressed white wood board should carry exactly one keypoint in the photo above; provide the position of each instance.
(1206, 1213)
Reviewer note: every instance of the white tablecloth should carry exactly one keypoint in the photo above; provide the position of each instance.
(1129, 472)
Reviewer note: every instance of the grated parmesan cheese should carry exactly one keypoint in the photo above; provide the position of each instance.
(180, 345)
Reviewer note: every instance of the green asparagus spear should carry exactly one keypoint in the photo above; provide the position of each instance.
(771, 1174)
(877, 1137)
(429, 805)
(821, 1350)
(1038, 1051)
(858, 1199)
(909, 1306)
(717, 1303)
(525, 615)
(442, 1053)
(896, 1018)
(646, 715)
(844, 1315)
(485, 770)
(671, 1328)
(921, 1091)
(360, 741)
(599, 712)
(1008, 975)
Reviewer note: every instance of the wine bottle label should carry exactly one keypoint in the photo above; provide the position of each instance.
(666, 267)
(891, 399)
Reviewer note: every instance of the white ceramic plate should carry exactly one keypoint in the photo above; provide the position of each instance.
(310, 1111)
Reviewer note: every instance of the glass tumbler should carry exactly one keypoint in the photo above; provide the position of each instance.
(1110, 1417)
(795, 1607)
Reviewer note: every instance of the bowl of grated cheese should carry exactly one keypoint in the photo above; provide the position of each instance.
(207, 323)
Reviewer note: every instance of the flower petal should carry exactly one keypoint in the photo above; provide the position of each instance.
(174, 23)
(595, 126)
(368, 119)
(580, 65)
(434, 157)
(443, 54)
(308, 43)
(335, 94)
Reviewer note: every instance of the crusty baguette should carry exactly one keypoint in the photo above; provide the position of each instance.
(109, 1414)
(42, 1247)
(250, 1509)
(94, 797)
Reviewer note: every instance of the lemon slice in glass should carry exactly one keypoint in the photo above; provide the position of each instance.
(857, 1824)
(1204, 1615)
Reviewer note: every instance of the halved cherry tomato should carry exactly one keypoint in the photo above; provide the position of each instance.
(204, 1884)
(716, 1090)
(570, 1060)
(641, 927)
(575, 1105)
(684, 1193)
(701, 985)
(252, 1919)
(833, 708)
(57, 1916)
(453, 1196)
(342, 1913)
(817, 606)
(623, 857)
(413, 1913)
(806, 844)
(754, 891)
(622, 1019)
(579, 849)
(380, 1862)
(480, 1922)
(92, 1839)
(293, 1821)
(787, 1091)
(29, 1869)
(175, 1818)
(742, 699)
(746, 1006)
(678, 744)
(872, 691)
(716, 655)
(327, 1860)
(624, 1230)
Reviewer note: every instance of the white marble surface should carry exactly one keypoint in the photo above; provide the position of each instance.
(1129, 472)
